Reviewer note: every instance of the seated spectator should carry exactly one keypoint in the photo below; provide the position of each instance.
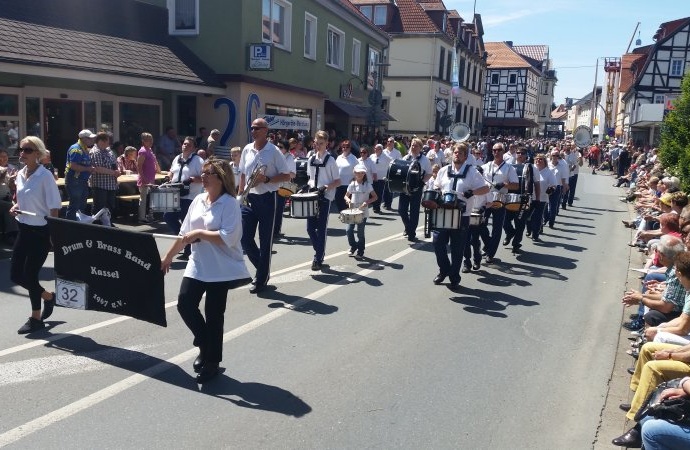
(128, 161)
(676, 331)
(663, 434)
(4, 162)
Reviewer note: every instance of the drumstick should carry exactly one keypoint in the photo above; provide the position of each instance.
(28, 213)
(169, 236)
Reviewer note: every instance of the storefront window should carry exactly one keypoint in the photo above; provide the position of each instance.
(9, 105)
(33, 116)
(137, 118)
(90, 116)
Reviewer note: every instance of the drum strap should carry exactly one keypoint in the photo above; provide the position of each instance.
(182, 163)
(313, 164)
(458, 176)
(493, 173)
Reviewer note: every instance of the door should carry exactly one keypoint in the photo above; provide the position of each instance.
(63, 119)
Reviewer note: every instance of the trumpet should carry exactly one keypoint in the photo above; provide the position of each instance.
(260, 169)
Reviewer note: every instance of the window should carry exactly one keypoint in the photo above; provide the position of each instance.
(512, 78)
(545, 88)
(494, 78)
(310, 23)
(493, 104)
(510, 105)
(374, 68)
(335, 50)
(676, 67)
(183, 17)
(356, 56)
(659, 98)
(461, 72)
(543, 110)
(474, 78)
(441, 62)
(276, 20)
(367, 11)
(449, 65)
(380, 14)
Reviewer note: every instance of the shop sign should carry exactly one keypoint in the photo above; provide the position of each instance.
(260, 57)
(287, 123)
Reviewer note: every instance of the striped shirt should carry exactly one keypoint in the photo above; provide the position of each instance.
(674, 292)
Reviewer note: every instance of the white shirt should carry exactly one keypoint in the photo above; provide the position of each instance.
(346, 164)
(37, 194)
(510, 158)
(393, 153)
(327, 174)
(560, 171)
(473, 180)
(572, 160)
(371, 168)
(436, 157)
(546, 179)
(359, 193)
(191, 169)
(291, 163)
(269, 156)
(500, 173)
(212, 262)
(236, 172)
(381, 163)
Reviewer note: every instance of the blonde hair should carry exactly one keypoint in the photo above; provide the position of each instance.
(224, 171)
(37, 144)
(321, 134)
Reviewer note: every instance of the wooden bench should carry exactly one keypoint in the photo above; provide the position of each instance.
(65, 204)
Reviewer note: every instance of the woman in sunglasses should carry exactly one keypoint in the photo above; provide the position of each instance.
(38, 194)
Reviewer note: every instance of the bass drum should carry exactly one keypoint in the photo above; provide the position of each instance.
(404, 176)
(301, 173)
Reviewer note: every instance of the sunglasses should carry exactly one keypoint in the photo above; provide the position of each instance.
(257, 128)
(27, 149)
(519, 153)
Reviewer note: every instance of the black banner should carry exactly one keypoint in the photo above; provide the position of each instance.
(121, 270)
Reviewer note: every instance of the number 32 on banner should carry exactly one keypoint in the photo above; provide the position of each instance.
(70, 294)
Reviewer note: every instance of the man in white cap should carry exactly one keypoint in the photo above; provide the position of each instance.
(77, 172)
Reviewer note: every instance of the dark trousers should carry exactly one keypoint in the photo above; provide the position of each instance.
(387, 196)
(317, 229)
(379, 186)
(280, 209)
(570, 196)
(104, 198)
(472, 252)
(514, 226)
(208, 331)
(493, 240)
(552, 208)
(359, 243)
(408, 210)
(653, 317)
(260, 213)
(456, 239)
(340, 202)
(77, 193)
(28, 255)
(175, 219)
(535, 220)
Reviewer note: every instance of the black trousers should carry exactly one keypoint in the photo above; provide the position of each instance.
(28, 255)
(208, 331)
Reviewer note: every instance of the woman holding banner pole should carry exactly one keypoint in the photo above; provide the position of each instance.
(213, 227)
(37, 194)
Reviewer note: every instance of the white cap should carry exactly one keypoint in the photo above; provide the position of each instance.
(86, 133)
(360, 168)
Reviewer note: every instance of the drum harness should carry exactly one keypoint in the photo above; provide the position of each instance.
(529, 184)
(455, 177)
(312, 162)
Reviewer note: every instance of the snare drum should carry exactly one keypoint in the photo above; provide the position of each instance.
(351, 216)
(287, 189)
(164, 198)
(449, 200)
(512, 202)
(495, 200)
(446, 219)
(431, 199)
(304, 205)
(476, 217)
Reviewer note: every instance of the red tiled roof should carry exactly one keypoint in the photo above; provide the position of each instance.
(666, 29)
(627, 76)
(414, 19)
(370, 2)
(536, 52)
(502, 56)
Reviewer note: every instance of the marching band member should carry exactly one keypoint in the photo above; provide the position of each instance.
(543, 180)
(466, 182)
(514, 224)
(473, 256)
(559, 168)
(280, 200)
(409, 205)
(360, 194)
(502, 177)
(346, 162)
(36, 193)
(381, 164)
(325, 178)
(213, 227)
(260, 210)
(573, 158)
(392, 153)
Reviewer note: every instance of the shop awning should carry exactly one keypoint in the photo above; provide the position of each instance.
(354, 110)
(509, 122)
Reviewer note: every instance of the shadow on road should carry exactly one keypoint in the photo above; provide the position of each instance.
(490, 303)
(313, 307)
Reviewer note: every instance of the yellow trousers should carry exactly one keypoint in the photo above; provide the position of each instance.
(650, 372)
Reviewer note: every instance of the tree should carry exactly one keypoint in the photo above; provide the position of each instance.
(674, 150)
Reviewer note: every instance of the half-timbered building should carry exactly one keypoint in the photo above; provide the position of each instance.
(511, 92)
(657, 80)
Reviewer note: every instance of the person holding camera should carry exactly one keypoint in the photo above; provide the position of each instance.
(544, 182)
(186, 170)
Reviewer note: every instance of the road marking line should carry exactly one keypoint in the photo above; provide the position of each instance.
(97, 397)
(96, 326)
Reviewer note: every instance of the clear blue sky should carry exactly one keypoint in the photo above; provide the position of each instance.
(576, 31)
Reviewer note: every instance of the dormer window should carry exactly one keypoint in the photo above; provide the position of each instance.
(368, 12)
(380, 15)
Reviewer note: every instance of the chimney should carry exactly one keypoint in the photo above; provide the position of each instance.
(509, 44)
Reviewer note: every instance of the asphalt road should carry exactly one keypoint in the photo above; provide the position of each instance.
(366, 354)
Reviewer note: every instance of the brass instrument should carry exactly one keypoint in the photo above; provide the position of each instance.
(259, 169)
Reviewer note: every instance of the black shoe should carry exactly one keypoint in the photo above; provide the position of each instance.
(405, 233)
(258, 287)
(455, 284)
(563, 207)
(31, 325)
(536, 239)
(208, 372)
(632, 326)
(48, 306)
(624, 407)
(634, 316)
(506, 241)
(315, 265)
(528, 234)
(439, 279)
(359, 257)
(570, 204)
(631, 371)
(630, 439)
(489, 259)
(517, 250)
(198, 362)
(476, 266)
(352, 252)
(377, 211)
(412, 238)
(465, 269)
